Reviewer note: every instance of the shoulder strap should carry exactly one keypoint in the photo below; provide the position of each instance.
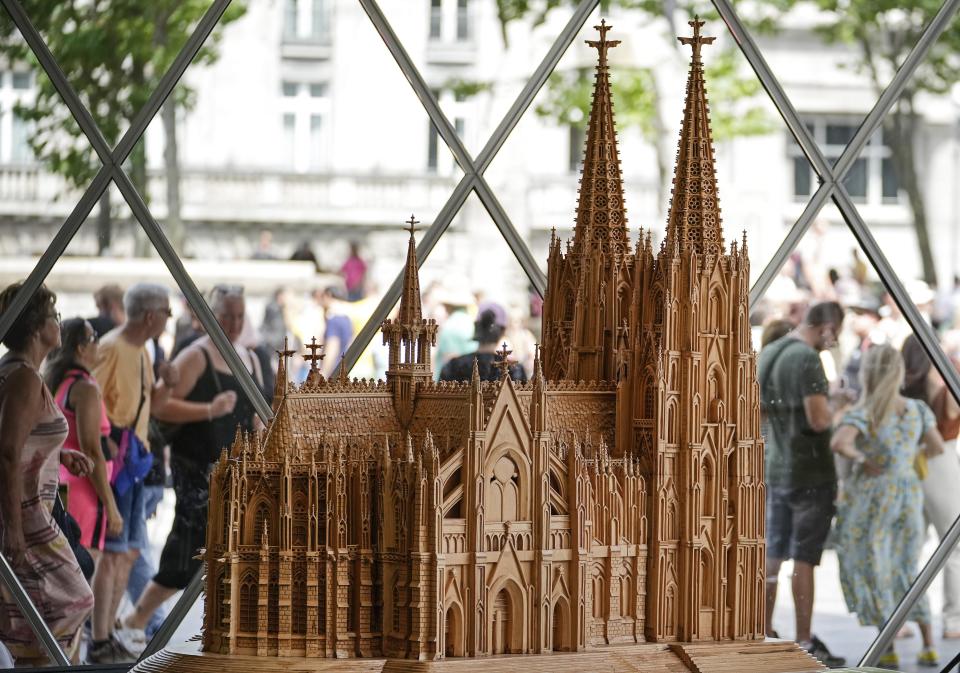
(71, 375)
(769, 368)
(213, 370)
(143, 395)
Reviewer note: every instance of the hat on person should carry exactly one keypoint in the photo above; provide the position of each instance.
(919, 291)
(499, 313)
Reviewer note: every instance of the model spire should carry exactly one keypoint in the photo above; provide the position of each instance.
(280, 390)
(410, 311)
(694, 218)
(601, 215)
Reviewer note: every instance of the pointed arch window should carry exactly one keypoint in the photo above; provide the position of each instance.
(249, 597)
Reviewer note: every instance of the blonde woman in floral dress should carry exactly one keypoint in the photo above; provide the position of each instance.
(880, 514)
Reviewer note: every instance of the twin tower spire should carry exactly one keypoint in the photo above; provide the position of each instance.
(694, 219)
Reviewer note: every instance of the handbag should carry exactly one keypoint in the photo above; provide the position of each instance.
(132, 453)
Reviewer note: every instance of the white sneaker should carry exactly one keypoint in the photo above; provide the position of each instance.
(133, 641)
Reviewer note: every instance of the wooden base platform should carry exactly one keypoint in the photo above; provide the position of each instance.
(771, 656)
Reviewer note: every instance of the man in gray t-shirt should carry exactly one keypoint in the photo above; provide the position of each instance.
(800, 476)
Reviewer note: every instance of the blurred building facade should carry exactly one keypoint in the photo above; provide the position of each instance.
(305, 126)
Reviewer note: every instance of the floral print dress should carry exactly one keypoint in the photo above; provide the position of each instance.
(880, 519)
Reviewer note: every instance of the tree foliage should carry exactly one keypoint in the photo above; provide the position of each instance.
(113, 53)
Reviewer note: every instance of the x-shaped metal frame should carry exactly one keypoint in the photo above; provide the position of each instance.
(831, 186)
(473, 169)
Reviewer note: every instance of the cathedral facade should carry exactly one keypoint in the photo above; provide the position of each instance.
(616, 498)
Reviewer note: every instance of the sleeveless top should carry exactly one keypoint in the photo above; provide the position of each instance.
(51, 576)
(202, 441)
(62, 397)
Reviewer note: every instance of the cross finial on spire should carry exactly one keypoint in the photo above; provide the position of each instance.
(505, 363)
(286, 352)
(697, 40)
(603, 43)
(313, 358)
(412, 222)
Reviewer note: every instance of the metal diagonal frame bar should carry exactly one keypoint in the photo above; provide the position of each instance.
(101, 181)
(176, 616)
(928, 340)
(466, 184)
(39, 627)
(453, 141)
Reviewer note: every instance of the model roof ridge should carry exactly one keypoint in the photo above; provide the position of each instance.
(694, 218)
(601, 213)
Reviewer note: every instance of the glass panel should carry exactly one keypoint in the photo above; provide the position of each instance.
(456, 282)
(828, 265)
(316, 141)
(436, 19)
(477, 58)
(290, 88)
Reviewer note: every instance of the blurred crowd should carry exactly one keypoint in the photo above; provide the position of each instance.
(860, 433)
(100, 416)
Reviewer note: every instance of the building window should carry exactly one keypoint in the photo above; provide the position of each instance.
(436, 19)
(463, 20)
(450, 20)
(20, 151)
(305, 116)
(16, 88)
(457, 106)
(306, 21)
(871, 179)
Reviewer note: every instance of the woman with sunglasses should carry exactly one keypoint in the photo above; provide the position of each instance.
(32, 432)
(89, 499)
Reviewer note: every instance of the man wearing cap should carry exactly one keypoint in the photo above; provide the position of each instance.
(488, 331)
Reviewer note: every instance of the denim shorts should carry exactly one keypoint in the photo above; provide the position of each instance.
(134, 533)
(798, 521)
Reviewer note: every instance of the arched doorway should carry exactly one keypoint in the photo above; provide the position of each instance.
(501, 623)
(453, 633)
(561, 626)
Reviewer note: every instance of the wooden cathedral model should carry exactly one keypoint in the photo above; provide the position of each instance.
(613, 507)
